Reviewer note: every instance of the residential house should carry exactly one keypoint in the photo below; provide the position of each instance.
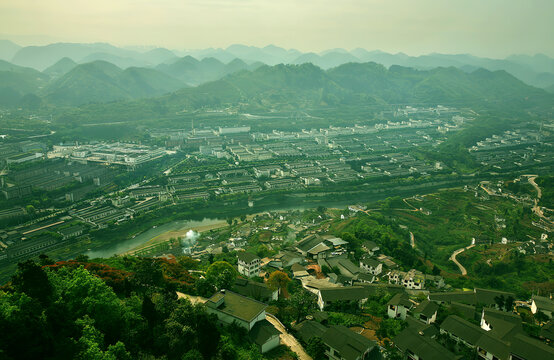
(265, 336)
(230, 307)
(412, 279)
(299, 271)
(255, 290)
(248, 264)
(434, 281)
(364, 278)
(398, 306)
(308, 329)
(416, 346)
(345, 266)
(484, 297)
(426, 311)
(340, 279)
(371, 266)
(332, 295)
(344, 344)
(370, 247)
(542, 304)
(288, 258)
(503, 340)
(313, 246)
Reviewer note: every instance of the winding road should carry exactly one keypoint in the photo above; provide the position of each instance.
(458, 252)
(287, 339)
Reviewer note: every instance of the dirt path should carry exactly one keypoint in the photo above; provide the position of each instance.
(287, 339)
(531, 180)
(412, 239)
(458, 252)
(536, 207)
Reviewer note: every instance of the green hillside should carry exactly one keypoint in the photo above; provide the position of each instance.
(100, 81)
(61, 67)
(17, 81)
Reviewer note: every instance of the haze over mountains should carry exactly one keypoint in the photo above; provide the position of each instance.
(76, 74)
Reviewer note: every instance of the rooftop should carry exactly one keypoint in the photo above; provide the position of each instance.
(427, 308)
(408, 340)
(344, 293)
(400, 299)
(236, 305)
(247, 257)
(350, 344)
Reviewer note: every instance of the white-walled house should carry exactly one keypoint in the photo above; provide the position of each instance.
(426, 311)
(371, 266)
(398, 306)
(248, 264)
(230, 307)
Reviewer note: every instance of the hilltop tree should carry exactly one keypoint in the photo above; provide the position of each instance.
(221, 274)
(278, 280)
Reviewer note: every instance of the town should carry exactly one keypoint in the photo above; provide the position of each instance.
(402, 292)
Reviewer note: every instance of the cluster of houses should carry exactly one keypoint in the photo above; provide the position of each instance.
(476, 319)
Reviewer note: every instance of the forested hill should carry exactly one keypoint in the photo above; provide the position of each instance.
(87, 310)
(290, 87)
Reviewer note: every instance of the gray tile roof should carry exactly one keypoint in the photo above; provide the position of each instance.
(350, 344)
(530, 349)
(422, 346)
(427, 308)
(253, 289)
(344, 293)
(262, 332)
(236, 305)
(246, 256)
(308, 329)
(544, 303)
(400, 299)
(462, 329)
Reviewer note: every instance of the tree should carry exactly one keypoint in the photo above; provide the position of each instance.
(316, 348)
(221, 274)
(204, 287)
(230, 221)
(302, 303)
(389, 328)
(509, 303)
(278, 280)
(541, 317)
(243, 217)
(500, 301)
(30, 209)
(32, 280)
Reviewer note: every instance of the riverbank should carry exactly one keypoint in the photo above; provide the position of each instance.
(174, 234)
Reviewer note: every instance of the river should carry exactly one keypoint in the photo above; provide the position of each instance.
(129, 244)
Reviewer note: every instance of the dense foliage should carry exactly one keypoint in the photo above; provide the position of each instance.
(82, 310)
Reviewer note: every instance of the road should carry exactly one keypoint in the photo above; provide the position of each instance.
(531, 180)
(536, 207)
(458, 252)
(287, 339)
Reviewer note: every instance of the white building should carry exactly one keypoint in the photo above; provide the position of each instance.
(248, 264)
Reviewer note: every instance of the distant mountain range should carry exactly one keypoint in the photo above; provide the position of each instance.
(78, 74)
(537, 70)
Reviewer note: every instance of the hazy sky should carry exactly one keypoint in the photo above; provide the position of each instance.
(494, 28)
